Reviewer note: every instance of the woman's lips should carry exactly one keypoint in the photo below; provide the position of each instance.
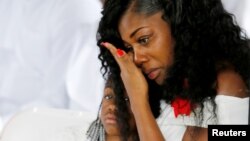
(153, 74)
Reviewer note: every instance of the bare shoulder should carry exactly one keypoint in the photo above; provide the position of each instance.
(230, 83)
(195, 134)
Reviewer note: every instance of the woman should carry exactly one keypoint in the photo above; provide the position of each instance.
(192, 49)
(110, 127)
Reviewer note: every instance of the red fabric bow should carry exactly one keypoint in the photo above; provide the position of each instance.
(181, 106)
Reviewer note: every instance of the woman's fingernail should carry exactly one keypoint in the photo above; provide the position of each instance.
(120, 52)
(103, 44)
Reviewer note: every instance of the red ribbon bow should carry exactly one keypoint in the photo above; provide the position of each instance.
(181, 106)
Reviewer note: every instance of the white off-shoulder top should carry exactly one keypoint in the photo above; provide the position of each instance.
(230, 110)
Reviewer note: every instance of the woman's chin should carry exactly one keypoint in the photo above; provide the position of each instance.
(159, 80)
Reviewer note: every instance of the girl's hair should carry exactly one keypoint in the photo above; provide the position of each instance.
(96, 131)
(207, 39)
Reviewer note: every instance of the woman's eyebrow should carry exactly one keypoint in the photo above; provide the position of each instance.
(133, 33)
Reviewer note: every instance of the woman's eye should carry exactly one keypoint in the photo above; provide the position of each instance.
(107, 97)
(128, 49)
(143, 40)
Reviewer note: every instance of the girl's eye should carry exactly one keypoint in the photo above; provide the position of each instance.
(126, 99)
(143, 40)
(108, 97)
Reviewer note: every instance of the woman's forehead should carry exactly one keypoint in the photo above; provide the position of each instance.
(131, 21)
(108, 90)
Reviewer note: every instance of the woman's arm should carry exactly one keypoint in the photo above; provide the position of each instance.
(195, 133)
(137, 90)
(147, 127)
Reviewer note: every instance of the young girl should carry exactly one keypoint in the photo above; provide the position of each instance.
(109, 126)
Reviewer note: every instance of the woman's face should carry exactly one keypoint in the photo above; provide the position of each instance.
(108, 113)
(150, 42)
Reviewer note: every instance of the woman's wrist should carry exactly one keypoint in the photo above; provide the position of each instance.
(140, 105)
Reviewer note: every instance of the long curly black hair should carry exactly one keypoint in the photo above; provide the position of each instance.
(207, 39)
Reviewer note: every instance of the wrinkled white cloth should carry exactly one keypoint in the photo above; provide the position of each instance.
(39, 42)
(47, 124)
(84, 81)
(241, 10)
(173, 128)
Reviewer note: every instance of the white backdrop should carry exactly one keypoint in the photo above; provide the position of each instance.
(41, 42)
(241, 9)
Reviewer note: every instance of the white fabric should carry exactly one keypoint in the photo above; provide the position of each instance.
(40, 41)
(47, 124)
(84, 81)
(230, 110)
(241, 10)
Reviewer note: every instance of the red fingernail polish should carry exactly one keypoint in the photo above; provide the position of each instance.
(120, 52)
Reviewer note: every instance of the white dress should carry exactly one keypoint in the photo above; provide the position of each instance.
(173, 128)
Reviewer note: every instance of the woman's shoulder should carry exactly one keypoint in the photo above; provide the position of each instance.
(173, 127)
(231, 83)
(238, 113)
(168, 117)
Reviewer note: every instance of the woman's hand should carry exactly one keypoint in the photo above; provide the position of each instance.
(132, 77)
(137, 89)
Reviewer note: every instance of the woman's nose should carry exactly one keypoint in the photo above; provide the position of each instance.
(139, 56)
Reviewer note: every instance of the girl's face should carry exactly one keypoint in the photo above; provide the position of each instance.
(108, 113)
(149, 40)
